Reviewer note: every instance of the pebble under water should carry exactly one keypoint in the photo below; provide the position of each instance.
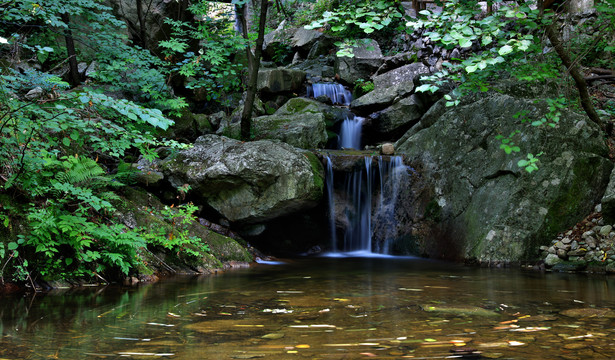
(323, 308)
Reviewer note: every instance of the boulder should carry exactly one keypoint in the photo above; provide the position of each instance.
(250, 182)
(280, 80)
(303, 40)
(393, 121)
(389, 87)
(277, 41)
(142, 209)
(366, 60)
(300, 122)
(608, 201)
(489, 209)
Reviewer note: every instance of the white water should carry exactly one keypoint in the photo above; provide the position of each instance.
(362, 207)
(350, 133)
(336, 92)
(331, 202)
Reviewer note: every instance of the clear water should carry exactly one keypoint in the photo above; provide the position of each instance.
(341, 308)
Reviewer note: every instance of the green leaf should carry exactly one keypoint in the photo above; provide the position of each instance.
(465, 42)
(523, 163)
(66, 141)
(472, 68)
(68, 261)
(12, 245)
(504, 50)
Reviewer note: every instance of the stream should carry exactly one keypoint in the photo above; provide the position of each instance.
(322, 308)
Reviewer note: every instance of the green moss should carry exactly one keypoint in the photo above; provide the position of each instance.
(318, 171)
(296, 105)
(433, 211)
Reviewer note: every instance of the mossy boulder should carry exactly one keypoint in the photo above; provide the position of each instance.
(280, 80)
(299, 122)
(249, 182)
(142, 209)
(491, 210)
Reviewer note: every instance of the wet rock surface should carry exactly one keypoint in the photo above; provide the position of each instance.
(485, 207)
(247, 182)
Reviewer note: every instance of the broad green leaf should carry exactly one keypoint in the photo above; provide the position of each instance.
(471, 68)
(504, 50)
(465, 42)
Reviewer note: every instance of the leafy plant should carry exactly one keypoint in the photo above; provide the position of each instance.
(362, 86)
(530, 164)
(351, 19)
(177, 238)
(508, 144)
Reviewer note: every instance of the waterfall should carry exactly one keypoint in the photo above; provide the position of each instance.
(336, 92)
(350, 133)
(362, 208)
(331, 202)
(391, 173)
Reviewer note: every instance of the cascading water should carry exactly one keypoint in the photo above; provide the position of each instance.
(331, 202)
(336, 92)
(350, 133)
(357, 196)
(360, 206)
(392, 171)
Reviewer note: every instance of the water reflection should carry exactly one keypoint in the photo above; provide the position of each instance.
(343, 308)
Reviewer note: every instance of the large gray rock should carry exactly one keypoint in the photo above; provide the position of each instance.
(389, 87)
(249, 182)
(303, 39)
(277, 41)
(393, 121)
(280, 80)
(366, 60)
(295, 123)
(487, 208)
(608, 201)
(300, 122)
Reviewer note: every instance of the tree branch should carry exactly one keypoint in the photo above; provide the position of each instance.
(576, 75)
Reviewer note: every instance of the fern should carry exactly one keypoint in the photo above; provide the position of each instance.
(81, 170)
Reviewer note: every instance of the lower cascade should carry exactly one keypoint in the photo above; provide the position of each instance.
(365, 195)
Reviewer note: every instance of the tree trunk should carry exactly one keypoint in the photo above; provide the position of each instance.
(254, 61)
(142, 30)
(74, 78)
(578, 78)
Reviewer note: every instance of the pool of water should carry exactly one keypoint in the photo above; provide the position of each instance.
(325, 308)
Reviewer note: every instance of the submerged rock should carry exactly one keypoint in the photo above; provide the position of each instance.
(459, 310)
(247, 182)
(489, 209)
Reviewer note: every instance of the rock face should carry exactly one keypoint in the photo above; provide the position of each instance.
(367, 59)
(247, 182)
(484, 206)
(280, 80)
(389, 87)
(299, 122)
(608, 201)
(295, 123)
(393, 121)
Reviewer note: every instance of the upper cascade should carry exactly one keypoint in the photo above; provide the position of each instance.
(336, 92)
